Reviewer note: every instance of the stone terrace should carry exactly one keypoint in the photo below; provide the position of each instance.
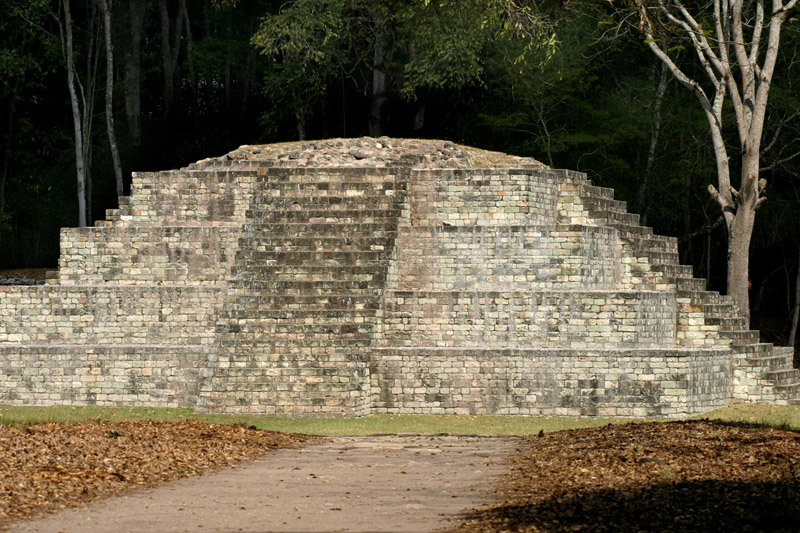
(355, 276)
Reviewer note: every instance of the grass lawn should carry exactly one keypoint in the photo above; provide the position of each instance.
(787, 417)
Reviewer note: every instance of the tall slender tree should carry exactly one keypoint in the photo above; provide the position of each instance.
(133, 70)
(105, 8)
(81, 110)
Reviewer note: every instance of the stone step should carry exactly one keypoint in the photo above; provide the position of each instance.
(323, 318)
(613, 219)
(700, 297)
(632, 230)
(299, 202)
(649, 244)
(783, 377)
(293, 229)
(171, 176)
(214, 163)
(333, 198)
(269, 189)
(690, 285)
(787, 351)
(741, 336)
(326, 216)
(719, 310)
(268, 244)
(662, 258)
(663, 241)
(596, 204)
(284, 329)
(594, 191)
(728, 323)
(316, 273)
(286, 301)
(301, 288)
(771, 362)
(295, 257)
(51, 277)
(154, 184)
(791, 391)
(276, 341)
(757, 350)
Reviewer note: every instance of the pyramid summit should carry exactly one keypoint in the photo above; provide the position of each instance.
(346, 277)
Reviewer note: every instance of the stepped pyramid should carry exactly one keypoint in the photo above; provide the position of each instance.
(349, 277)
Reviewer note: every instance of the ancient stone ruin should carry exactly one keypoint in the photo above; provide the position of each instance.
(349, 277)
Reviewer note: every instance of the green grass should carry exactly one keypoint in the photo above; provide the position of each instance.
(787, 417)
(454, 424)
(779, 416)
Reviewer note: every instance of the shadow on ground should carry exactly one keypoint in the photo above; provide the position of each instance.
(690, 506)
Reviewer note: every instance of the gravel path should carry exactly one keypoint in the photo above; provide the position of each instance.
(409, 483)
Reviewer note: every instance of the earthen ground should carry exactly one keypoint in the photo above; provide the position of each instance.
(407, 483)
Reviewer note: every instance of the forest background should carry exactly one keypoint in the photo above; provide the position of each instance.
(569, 84)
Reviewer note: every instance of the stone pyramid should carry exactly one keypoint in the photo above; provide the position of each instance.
(356, 276)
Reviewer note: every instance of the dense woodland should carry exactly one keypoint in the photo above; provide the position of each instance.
(94, 89)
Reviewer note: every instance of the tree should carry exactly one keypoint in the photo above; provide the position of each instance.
(133, 70)
(737, 64)
(21, 70)
(82, 103)
(308, 42)
(170, 52)
(105, 8)
(386, 48)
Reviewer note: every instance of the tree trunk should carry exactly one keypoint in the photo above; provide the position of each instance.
(301, 126)
(93, 29)
(228, 62)
(105, 6)
(184, 14)
(80, 163)
(419, 117)
(378, 91)
(12, 106)
(739, 235)
(133, 72)
(661, 89)
(169, 53)
(796, 314)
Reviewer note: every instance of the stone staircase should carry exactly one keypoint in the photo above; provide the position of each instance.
(761, 371)
(129, 318)
(306, 294)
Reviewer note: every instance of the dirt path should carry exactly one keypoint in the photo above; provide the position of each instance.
(377, 483)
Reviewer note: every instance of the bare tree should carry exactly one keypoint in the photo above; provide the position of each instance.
(133, 71)
(796, 311)
(736, 44)
(105, 8)
(170, 52)
(81, 114)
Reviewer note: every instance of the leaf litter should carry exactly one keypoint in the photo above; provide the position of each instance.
(676, 476)
(52, 466)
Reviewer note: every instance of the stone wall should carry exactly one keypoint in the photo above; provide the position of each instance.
(553, 382)
(89, 314)
(511, 257)
(138, 255)
(130, 375)
(518, 319)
